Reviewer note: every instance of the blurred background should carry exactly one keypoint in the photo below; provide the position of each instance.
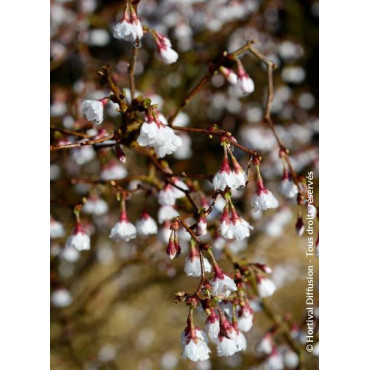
(112, 307)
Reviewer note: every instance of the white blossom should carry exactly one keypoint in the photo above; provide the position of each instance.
(245, 320)
(95, 206)
(61, 298)
(167, 213)
(193, 267)
(165, 51)
(238, 228)
(288, 188)
(56, 229)
(266, 287)
(291, 359)
(246, 84)
(79, 239)
(241, 342)
(226, 346)
(195, 349)
(222, 285)
(93, 110)
(167, 196)
(113, 171)
(146, 225)
(123, 229)
(160, 136)
(263, 200)
(212, 327)
(275, 361)
(265, 346)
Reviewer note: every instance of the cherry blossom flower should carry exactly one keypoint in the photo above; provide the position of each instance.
(56, 229)
(167, 196)
(123, 229)
(263, 199)
(162, 138)
(79, 239)
(146, 225)
(240, 341)
(266, 344)
(288, 188)
(245, 83)
(275, 361)
(291, 359)
(164, 49)
(224, 177)
(113, 171)
(238, 227)
(212, 327)
(173, 247)
(245, 318)
(95, 205)
(225, 220)
(195, 346)
(265, 287)
(230, 76)
(93, 110)
(221, 283)
(226, 344)
(129, 28)
(192, 264)
(166, 213)
(202, 226)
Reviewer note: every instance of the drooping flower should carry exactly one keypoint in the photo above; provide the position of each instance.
(222, 284)
(56, 229)
(245, 318)
(224, 177)
(225, 220)
(266, 344)
(202, 226)
(70, 254)
(263, 199)
(95, 205)
(93, 110)
(226, 344)
(158, 135)
(173, 247)
(195, 346)
(212, 327)
(146, 224)
(113, 170)
(123, 230)
(240, 177)
(167, 196)
(288, 188)
(275, 361)
(164, 49)
(129, 28)
(265, 287)
(166, 213)
(238, 227)
(245, 83)
(230, 76)
(192, 264)
(240, 341)
(79, 239)
(291, 359)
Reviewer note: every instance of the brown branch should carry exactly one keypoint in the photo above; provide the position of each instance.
(82, 143)
(132, 72)
(70, 132)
